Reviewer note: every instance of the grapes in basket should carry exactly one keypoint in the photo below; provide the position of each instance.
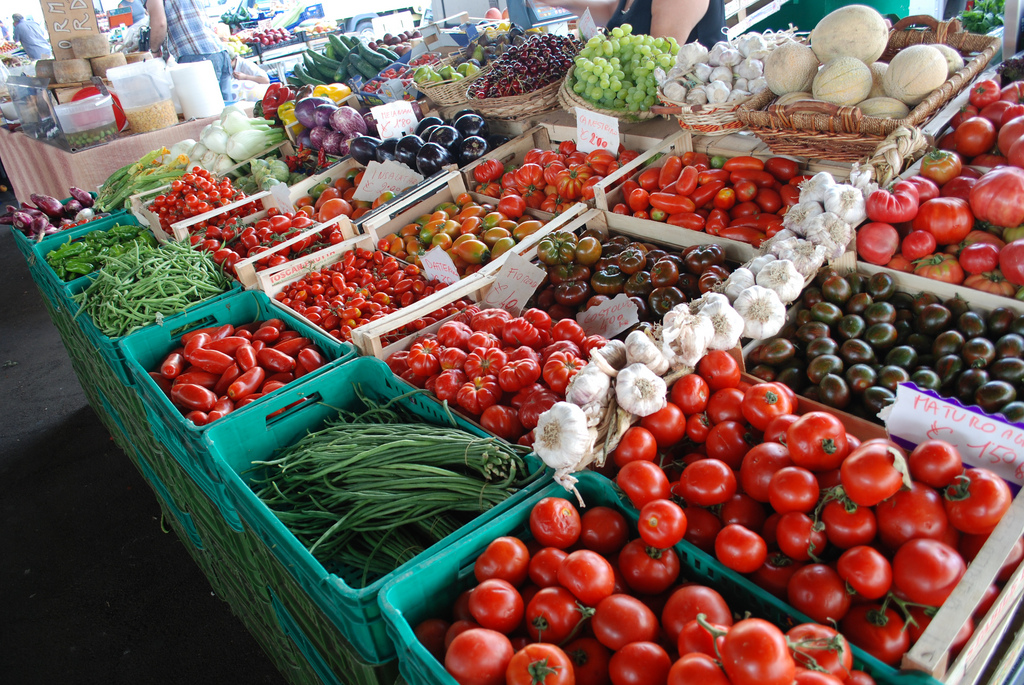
(539, 61)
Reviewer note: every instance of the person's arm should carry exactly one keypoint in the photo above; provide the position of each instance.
(157, 22)
(676, 19)
(600, 10)
(245, 72)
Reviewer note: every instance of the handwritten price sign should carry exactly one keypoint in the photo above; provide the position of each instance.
(609, 318)
(516, 282)
(437, 265)
(67, 19)
(394, 118)
(586, 26)
(379, 178)
(596, 131)
(982, 440)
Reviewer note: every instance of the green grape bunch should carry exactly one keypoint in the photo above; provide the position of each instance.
(616, 71)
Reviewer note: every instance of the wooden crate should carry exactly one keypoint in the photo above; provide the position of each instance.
(246, 272)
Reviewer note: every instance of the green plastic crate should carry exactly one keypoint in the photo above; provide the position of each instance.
(53, 287)
(238, 441)
(183, 519)
(429, 589)
(146, 349)
(109, 348)
(25, 244)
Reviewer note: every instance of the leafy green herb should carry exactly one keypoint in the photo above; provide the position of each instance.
(985, 16)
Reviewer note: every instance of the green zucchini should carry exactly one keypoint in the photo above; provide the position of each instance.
(341, 50)
(389, 53)
(373, 58)
(362, 66)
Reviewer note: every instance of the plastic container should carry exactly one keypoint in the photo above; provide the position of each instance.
(88, 122)
(240, 439)
(144, 89)
(429, 588)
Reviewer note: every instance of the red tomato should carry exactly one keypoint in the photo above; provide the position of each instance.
(479, 657)
(637, 444)
(818, 591)
(845, 528)
(555, 522)
(1011, 262)
(496, 605)
(729, 441)
(707, 483)
(511, 205)
(754, 652)
(667, 425)
(975, 136)
(935, 463)
(994, 197)
(979, 257)
(763, 402)
(940, 166)
(880, 634)
(621, 619)
(793, 489)
(759, 466)
(662, 524)
(604, 530)
(866, 570)
(687, 602)
(502, 421)
(1009, 133)
(819, 646)
(697, 668)
(726, 405)
(720, 369)
(588, 576)
(740, 549)
(817, 441)
(506, 558)
(797, 536)
(648, 570)
(984, 93)
(910, 514)
(949, 219)
(940, 267)
(543, 569)
(540, 664)
(431, 634)
(918, 244)
(640, 663)
(552, 615)
(701, 527)
(976, 501)
(877, 242)
(643, 482)
(589, 661)
(926, 188)
(872, 472)
(690, 393)
(926, 571)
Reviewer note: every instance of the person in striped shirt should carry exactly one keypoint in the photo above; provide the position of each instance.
(183, 25)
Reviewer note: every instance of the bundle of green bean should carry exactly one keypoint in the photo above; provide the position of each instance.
(146, 283)
(372, 490)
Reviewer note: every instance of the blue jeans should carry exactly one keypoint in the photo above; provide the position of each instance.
(221, 66)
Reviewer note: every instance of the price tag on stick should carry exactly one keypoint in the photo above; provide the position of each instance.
(596, 131)
(437, 265)
(586, 26)
(394, 118)
(379, 178)
(609, 318)
(514, 285)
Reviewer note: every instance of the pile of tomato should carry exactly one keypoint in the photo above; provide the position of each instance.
(502, 370)
(551, 180)
(217, 370)
(471, 233)
(196, 193)
(361, 287)
(981, 132)
(858, 535)
(584, 601)
(330, 199)
(584, 272)
(951, 223)
(742, 198)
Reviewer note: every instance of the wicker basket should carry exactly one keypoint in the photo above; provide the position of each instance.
(450, 93)
(517, 106)
(843, 134)
(570, 100)
(706, 120)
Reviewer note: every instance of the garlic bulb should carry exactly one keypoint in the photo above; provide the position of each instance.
(698, 95)
(814, 188)
(805, 255)
(730, 58)
(847, 203)
(640, 391)
(750, 68)
(752, 45)
(740, 84)
(736, 95)
(757, 85)
(640, 349)
(723, 74)
(738, 281)
(562, 438)
(797, 215)
(590, 384)
(703, 72)
(762, 312)
(704, 300)
(715, 55)
(727, 322)
(758, 263)
(718, 92)
(862, 179)
(782, 277)
(690, 55)
(675, 91)
(831, 232)
(685, 337)
(610, 357)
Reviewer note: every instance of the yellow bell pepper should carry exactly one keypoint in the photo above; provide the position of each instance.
(335, 91)
(286, 112)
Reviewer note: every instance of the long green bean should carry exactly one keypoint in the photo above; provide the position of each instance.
(370, 490)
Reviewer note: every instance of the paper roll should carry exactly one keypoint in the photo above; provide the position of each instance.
(198, 89)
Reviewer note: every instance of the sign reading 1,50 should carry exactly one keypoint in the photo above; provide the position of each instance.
(597, 141)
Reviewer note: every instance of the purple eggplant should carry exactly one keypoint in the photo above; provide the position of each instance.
(71, 208)
(83, 197)
(50, 206)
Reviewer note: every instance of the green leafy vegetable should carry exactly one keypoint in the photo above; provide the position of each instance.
(985, 16)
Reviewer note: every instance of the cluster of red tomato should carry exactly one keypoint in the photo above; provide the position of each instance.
(363, 286)
(583, 604)
(742, 198)
(505, 370)
(982, 133)
(551, 180)
(927, 225)
(196, 193)
(230, 244)
(859, 535)
(217, 370)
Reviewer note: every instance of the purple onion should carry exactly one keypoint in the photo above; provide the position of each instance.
(84, 197)
(50, 206)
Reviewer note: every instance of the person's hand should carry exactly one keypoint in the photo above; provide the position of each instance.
(242, 77)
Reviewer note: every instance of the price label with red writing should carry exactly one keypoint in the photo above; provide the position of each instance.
(379, 178)
(982, 439)
(514, 285)
(596, 131)
(586, 26)
(609, 318)
(394, 119)
(438, 266)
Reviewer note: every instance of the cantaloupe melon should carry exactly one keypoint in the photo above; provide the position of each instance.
(887, 108)
(790, 68)
(852, 31)
(954, 61)
(843, 81)
(914, 73)
(790, 98)
(877, 72)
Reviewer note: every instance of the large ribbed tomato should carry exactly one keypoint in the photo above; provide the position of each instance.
(998, 197)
